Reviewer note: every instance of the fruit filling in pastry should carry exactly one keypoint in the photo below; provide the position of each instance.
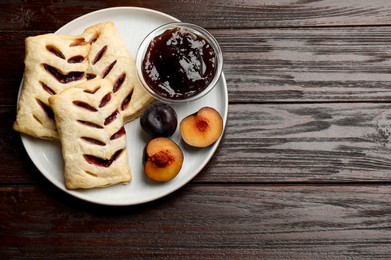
(56, 62)
(92, 135)
(109, 58)
(52, 63)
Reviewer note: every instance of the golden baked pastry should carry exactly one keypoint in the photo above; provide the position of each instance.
(109, 58)
(56, 62)
(92, 135)
(52, 64)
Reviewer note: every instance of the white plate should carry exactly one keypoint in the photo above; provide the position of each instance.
(133, 24)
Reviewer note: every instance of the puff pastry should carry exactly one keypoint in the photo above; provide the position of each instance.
(109, 58)
(52, 64)
(92, 135)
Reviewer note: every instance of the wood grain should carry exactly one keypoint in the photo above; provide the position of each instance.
(307, 65)
(289, 222)
(303, 169)
(22, 15)
(342, 142)
(279, 65)
(266, 143)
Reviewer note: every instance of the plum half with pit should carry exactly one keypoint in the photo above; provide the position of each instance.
(202, 128)
(159, 120)
(163, 159)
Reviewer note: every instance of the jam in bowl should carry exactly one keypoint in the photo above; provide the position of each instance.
(179, 62)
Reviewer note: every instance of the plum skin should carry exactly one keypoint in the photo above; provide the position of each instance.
(159, 120)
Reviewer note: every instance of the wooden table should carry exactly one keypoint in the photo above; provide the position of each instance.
(304, 167)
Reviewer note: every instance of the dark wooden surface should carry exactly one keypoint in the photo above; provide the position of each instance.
(303, 170)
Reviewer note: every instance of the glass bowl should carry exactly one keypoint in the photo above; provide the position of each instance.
(167, 94)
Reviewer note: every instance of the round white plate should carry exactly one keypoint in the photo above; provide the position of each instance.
(133, 24)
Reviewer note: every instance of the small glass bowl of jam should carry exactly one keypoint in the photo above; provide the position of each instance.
(179, 62)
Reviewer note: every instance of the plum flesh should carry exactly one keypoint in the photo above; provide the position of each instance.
(202, 128)
(163, 159)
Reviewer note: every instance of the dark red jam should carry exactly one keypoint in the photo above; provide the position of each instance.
(179, 64)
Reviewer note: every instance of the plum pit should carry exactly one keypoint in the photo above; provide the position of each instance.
(163, 159)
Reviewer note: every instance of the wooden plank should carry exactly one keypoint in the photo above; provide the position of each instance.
(12, 66)
(346, 142)
(325, 143)
(15, 166)
(279, 65)
(209, 222)
(307, 65)
(50, 15)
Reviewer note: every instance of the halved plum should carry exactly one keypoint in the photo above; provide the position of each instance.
(163, 159)
(202, 128)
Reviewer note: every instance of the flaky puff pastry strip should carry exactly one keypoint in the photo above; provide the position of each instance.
(92, 135)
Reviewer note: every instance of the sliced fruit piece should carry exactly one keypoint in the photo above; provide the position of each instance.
(163, 159)
(202, 128)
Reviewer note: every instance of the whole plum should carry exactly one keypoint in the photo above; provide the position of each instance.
(159, 120)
